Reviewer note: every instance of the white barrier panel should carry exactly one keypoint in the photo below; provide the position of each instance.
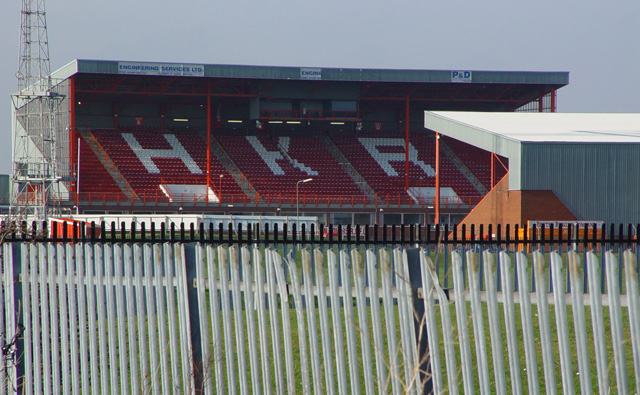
(161, 318)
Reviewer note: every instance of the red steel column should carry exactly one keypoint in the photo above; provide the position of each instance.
(437, 202)
(540, 101)
(406, 143)
(493, 171)
(209, 143)
(72, 127)
(553, 99)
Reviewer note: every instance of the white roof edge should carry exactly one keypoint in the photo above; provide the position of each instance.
(552, 128)
(442, 115)
(66, 71)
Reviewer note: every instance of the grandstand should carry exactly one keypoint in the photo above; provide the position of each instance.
(155, 137)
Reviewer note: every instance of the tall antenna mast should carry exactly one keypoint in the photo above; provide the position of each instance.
(33, 69)
(35, 172)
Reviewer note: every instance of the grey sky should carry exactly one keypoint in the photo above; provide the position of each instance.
(598, 43)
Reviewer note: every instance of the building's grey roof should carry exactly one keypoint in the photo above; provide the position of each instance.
(540, 127)
(326, 73)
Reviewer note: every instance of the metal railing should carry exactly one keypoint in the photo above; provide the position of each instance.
(267, 199)
(362, 309)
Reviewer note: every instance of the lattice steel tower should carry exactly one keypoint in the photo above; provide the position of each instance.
(36, 109)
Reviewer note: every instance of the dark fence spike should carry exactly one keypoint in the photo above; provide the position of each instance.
(367, 237)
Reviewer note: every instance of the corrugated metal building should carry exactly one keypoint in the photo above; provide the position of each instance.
(5, 192)
(590, 161)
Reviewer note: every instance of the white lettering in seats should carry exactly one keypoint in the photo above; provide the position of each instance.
(284, 143)
(176, 151)
(270, 157)
(384, 158)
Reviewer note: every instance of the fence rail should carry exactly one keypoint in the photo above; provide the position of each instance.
(389, 310)
(562, 236)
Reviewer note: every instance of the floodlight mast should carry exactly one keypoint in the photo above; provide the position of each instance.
(35, 169)
(34, 66)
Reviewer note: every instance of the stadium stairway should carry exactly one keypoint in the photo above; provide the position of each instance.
(108, 164)
(346, 165)
(233, 169)
(466, 172)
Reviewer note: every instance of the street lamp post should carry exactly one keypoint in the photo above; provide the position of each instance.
(298, 200)
(220, 189)
(377, 213)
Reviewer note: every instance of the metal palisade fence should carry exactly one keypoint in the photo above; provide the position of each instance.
(110, 309)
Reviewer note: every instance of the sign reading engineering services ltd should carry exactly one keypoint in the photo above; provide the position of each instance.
(310, 74)
(189, 70)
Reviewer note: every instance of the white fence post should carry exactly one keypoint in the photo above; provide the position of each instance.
(461, 318)
(341, 366)
(539, 274)
(490, 279)
(562, 327)
(473, 272)
(615, 314)
(522, 265)
(597, 321)
(633, 298)
(577, 304)
(508, 292)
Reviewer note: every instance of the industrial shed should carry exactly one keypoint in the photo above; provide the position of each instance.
(589, 161)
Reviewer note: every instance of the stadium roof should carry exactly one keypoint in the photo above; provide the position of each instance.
(536, 127)
(587, 160)
(516, 135)
(311, 73)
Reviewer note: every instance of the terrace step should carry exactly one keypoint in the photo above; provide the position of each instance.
(468, 174)
(346, 165)
(233, 169)
(108, 164)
